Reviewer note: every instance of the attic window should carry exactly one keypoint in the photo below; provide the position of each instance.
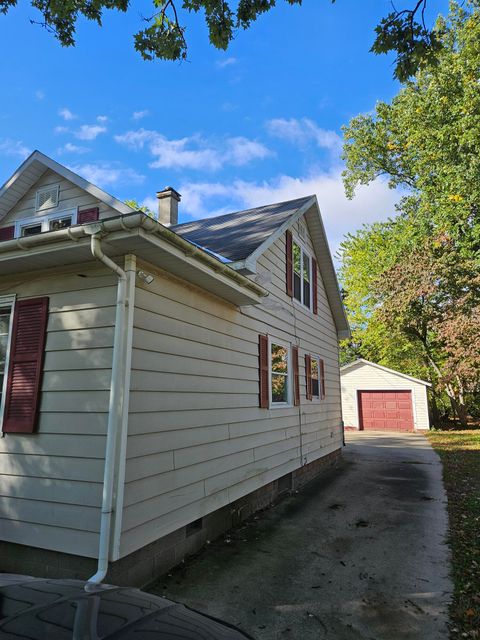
(50, 222)
(47, 198)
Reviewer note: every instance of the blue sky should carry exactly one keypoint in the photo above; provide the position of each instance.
(256, 124)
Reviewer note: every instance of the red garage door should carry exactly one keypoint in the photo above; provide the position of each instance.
(385, 410)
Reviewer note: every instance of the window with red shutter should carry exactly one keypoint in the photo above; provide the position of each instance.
(87, 215)
(263, 370)
(25, 366)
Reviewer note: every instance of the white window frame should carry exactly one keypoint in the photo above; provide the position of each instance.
(303, 251)
(319, 397)
(44, 190)
(44, 221)
(6, 302)
(288, 347)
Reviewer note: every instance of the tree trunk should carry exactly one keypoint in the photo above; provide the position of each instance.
(461, 412)
(435, 413)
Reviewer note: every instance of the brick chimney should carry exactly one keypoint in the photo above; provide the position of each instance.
(168, 200)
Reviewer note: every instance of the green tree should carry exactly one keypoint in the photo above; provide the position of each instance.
(412, 286)
(138, 207)
(403, 31)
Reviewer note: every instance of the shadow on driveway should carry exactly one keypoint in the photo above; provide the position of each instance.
(358, 554)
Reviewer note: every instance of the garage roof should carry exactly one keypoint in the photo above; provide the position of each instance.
(379, 366)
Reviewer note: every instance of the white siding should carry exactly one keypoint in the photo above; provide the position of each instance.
(197, 437)
(51, 480)
(365, 377)
(70, 197)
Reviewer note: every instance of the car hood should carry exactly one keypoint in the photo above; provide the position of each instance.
(41, 609)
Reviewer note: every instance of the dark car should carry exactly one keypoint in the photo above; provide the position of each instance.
(41, 609)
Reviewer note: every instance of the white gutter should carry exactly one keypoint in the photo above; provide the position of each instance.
(115, 408)
(132, 222)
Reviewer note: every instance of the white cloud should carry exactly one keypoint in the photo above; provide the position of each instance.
(40, 94)
(138, 115)
(89, 131)
(241, 151)
(66, 114)
(72, 148)
(150, 202)
(193, 152)
(226, 62)
(303, 131)
(104, 174)
(102, 119)
(11, 147)
(340, 215)
(61, 129)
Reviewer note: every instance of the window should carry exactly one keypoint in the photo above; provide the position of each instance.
(279, 374)
(5, 332)
(34, 226)
(314, 373)
(302, 275)
(315, 377)
(60, 223)
(30, 229)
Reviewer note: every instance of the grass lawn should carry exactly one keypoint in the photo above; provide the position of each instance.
(460, 454)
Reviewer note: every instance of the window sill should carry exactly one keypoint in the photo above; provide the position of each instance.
(302, 306)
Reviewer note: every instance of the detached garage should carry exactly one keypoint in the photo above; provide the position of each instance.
(375, 398)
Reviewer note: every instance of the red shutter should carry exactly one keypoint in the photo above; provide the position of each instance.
(322, 379)
(296, 377)
(22, 396)
(7, 233)
(315, 286)
(263, 370)
(87, 215)
(289, 262)
(308, 376)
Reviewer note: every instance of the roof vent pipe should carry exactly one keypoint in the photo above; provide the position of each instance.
(168, 200)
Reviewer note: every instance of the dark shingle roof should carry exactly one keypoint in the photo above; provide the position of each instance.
(236, 235)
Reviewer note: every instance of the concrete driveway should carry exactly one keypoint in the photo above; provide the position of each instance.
(358, 554)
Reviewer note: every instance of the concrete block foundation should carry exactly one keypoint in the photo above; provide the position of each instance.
(153, 560)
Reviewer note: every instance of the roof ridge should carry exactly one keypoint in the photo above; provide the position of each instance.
(242, 211)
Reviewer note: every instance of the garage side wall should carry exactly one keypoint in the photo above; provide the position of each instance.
(198, 439)
(364, 377)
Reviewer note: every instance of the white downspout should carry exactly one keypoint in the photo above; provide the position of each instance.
(131, 271)
(115, 409)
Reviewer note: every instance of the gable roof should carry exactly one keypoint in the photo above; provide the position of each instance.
(236, 235)
(238, 238)
(243, 236)
(362, 361)
(33, 168)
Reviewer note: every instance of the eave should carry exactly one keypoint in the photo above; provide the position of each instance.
(133, 233)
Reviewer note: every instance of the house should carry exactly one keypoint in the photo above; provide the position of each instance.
(375, 398)
(160, 381)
